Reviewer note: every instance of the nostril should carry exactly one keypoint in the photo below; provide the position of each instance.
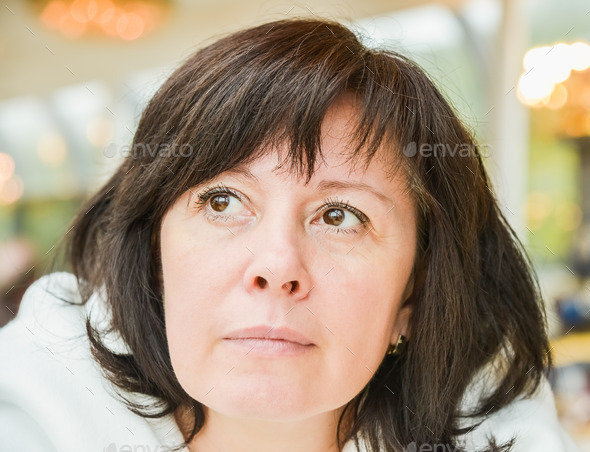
(291, 286)
(260, 282)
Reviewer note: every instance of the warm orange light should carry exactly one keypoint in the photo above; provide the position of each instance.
(130, 26)
(546, 68)
(558, 97)
(120, 18)
(105, 14)
(110, 19)
(534, 89)
(70, 27)
(149, 13)
(576, 122)
(84, 10)
(53, 13)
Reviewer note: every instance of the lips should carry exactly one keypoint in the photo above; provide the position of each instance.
(269, 333)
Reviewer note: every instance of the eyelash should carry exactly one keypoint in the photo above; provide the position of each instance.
(206, 194)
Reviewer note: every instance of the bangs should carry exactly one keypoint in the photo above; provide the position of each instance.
(228, 105)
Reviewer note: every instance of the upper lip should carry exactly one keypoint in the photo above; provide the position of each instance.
(270, 332)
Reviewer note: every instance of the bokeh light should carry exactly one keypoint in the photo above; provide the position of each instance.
(100, 131)
(6, 167)
(545, 68)
(130, 26)
(84, 10)
(126, 20)
(557, 98)
(12, 190)
(52, 150)
(581, 56)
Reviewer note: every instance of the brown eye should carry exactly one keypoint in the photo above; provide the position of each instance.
(219, 202)
(334, 217)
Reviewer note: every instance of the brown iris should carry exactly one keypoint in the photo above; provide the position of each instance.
(334, 217)
(219, 202)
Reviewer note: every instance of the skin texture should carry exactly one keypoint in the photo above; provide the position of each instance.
(265, 250)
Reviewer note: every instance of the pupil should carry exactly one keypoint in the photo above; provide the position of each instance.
(220, 202)
(334, 217)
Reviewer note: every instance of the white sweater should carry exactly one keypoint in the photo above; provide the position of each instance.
(53, 397)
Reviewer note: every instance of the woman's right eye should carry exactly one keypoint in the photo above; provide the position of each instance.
(220, 202)
(225, 203)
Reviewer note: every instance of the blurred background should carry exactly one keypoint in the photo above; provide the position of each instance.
(75, 75)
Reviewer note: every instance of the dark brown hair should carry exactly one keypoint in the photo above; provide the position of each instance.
(475, 296)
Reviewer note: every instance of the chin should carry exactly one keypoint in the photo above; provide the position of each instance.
(263, 400)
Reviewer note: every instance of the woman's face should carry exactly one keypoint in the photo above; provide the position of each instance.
(281, 297)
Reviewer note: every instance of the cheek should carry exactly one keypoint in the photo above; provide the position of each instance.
(196, 277)
(360, 314)
(197, 267)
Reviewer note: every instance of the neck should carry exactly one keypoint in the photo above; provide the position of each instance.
(225, 434)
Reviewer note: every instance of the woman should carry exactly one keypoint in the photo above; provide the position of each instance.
(267, 270)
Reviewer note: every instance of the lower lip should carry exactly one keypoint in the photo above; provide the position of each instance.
(269, 347)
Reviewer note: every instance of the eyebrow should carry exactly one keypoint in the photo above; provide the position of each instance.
(324, 185)
(242, 171)
(356, 186)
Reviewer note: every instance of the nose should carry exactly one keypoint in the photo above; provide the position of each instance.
(277, 265)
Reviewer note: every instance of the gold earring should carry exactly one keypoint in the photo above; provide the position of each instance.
(396, 349)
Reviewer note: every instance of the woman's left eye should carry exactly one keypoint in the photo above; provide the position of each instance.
(343, 216)
(340, 217)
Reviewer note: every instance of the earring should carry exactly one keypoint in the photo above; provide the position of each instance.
(396, 349)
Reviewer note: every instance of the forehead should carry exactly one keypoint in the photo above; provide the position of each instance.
(337, 158)
(336, 163)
